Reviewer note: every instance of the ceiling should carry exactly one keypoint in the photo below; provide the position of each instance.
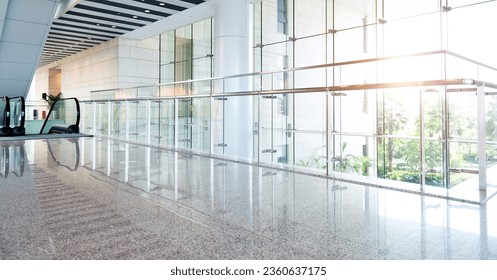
(91, 22)
(22, 34)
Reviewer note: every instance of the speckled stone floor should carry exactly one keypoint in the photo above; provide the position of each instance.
(92, 198)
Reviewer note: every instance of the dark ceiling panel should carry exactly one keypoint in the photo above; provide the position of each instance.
(92, 22)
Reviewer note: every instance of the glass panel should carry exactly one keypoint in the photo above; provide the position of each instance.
(217, 123)
(458, 3)
(405, 36)
(137, 121)
(88, 115)
(201, 127)
(185, 121)
(357, 114)
(283, 141)
(463, 156)
(183, 53)
(257, 31)
(167, 57)
(462, 116)
(266, 147)
(473, 24)
(162, 122)
(137, 167)
(118, 125)
(202, 49)
(277, 57)
(349, 44)
(491, 164)
(310, 51)
(399, 112)
(147, 92)
(201, 87)
(277, 24)
(102, 121)
(350, 13)
(310, 17)
(434, 164)
(117, 160)
(307, 150)
(432, 127)
(352, 154)
(404, 8)
(400, 160)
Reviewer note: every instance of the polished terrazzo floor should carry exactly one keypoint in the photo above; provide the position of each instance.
(92, 198)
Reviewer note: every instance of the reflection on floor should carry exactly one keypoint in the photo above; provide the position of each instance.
(92, 198)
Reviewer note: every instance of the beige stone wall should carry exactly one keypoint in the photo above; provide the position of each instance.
(118, 63)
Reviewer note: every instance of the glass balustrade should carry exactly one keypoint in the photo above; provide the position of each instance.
(419, 131)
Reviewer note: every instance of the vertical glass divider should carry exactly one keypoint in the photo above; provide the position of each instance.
(259, 126)
(109, 118)
(211, 146)
(94, 128)
(445, 138)
(126, 163)
(109, 157)
(126, 118)
(147, 165)
(149, 120)
(83, 119)
(421, 141)
(176, 122)
(482, 138)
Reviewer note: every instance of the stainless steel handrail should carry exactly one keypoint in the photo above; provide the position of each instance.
(350, 62)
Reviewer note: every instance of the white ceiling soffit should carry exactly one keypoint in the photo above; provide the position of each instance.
(87, 23)
(3, 11)
(25, 26)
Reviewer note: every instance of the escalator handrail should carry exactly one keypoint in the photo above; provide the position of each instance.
(52, 107)
(23, 109)
(6, 114)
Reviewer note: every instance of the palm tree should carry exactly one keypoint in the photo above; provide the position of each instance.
(52, 98)
(394, 119)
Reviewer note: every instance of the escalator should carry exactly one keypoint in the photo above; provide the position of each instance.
(63, 118)
(5, 117)
(12, 116)
(17, 115)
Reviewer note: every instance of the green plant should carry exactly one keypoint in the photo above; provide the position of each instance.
(52, 98)
(304, 163)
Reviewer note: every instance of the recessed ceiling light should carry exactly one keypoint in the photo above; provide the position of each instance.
(113, 26)
(162, 4)
(98, 24)
(135, 16)
(147, 11)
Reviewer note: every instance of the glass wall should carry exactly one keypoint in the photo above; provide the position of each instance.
(186, 53)
(373, 102)
(375, 132)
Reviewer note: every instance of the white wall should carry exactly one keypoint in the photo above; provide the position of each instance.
(138, 62)
(117, 63)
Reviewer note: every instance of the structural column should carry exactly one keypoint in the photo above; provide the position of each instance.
(232, 56)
